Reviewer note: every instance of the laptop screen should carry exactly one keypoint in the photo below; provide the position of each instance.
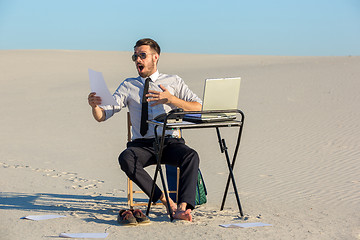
(221, 94)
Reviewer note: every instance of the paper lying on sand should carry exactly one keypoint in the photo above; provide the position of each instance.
(245, 225)
(98, 85)
(42, 217)
(83, 235)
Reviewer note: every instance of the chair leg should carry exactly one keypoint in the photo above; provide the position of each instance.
(177, 184)
(130, 194)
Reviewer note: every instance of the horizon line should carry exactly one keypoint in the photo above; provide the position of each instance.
(189, 53)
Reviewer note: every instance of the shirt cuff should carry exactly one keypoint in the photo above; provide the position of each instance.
(108, 110)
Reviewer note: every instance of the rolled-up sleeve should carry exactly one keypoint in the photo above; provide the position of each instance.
(120, 97)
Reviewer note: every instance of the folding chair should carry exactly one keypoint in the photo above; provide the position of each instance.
(131, 191)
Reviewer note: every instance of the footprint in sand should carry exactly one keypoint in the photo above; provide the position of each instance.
(68, 176)
(4, 165)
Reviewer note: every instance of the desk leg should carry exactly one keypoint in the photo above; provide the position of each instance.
(224, 149)
(158, 151)
(232, 166)
(166, 194)
(152, 191)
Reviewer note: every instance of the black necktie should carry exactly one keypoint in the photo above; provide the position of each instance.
(144, 109)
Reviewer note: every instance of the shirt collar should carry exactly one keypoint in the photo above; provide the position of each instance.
(153, 77)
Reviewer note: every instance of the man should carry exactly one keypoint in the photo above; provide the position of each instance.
(166, 92)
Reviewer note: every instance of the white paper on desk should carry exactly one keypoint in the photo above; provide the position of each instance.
(98, 85)
(175, 123)
(83, 235)
(245, 225)
(42, 217)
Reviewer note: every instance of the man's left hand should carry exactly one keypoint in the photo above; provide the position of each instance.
(164, 97)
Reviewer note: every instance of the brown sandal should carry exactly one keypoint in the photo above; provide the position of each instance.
(140, 217)
(126, 217)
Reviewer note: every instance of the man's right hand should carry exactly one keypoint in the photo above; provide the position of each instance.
(94, 100)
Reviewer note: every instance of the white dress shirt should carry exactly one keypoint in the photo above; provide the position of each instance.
(129, 94)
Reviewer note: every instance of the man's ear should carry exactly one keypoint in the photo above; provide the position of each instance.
(156, 57)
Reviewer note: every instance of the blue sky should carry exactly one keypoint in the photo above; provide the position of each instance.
(252, 27)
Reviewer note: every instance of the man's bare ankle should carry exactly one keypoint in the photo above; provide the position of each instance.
(182, 206)
(172, 205)
(163, 199)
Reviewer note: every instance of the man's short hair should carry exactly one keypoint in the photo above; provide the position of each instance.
(149, 42)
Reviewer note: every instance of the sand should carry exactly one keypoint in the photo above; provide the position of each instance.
(297, 169)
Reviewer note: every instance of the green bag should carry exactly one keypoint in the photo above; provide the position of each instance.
(200, 196)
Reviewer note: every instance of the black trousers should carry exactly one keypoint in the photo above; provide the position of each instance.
(140, 153)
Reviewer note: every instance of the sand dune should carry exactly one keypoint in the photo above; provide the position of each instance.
(297, 167)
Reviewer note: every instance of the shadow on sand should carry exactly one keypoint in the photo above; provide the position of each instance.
(99, 209)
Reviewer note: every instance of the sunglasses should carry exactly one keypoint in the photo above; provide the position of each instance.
(142, 55)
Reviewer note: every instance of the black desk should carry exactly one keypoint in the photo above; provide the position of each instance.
(223, 148)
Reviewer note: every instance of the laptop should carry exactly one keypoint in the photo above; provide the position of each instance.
(219, 94)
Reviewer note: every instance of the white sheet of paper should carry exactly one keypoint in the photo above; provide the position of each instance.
(98, 85)
(83, 235)
(245, 225)
(42, 217)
